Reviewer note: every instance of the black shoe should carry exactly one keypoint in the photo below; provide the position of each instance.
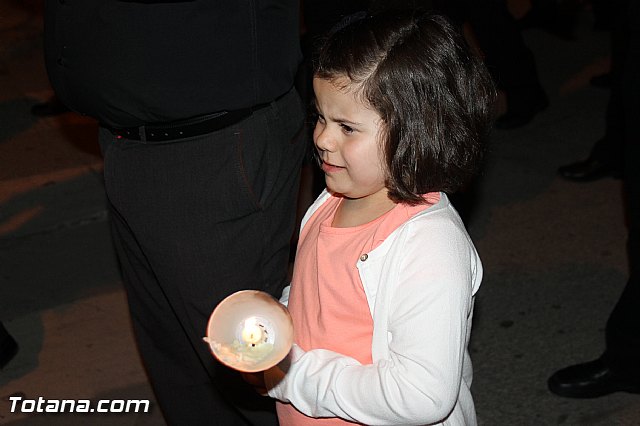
(588, 170)
(8, 349)
(590, 380)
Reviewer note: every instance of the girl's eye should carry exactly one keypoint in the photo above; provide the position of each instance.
(346, 129)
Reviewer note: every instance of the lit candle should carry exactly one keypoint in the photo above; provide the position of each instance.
(252, 333)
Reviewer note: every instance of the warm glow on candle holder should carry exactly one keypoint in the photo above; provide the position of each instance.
(250, 331)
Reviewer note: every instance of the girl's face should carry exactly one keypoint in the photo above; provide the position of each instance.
(347, 136)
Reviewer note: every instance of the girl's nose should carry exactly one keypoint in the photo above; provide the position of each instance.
(323, 139)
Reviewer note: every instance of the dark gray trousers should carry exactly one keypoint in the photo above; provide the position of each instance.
(193, 221)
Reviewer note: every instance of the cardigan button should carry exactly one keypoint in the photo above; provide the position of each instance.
(364, 257)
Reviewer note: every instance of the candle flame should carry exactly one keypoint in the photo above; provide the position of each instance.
(252, 333)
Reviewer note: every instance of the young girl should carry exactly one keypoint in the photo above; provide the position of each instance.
(385, 275)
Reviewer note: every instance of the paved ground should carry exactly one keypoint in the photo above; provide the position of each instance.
(553, 251)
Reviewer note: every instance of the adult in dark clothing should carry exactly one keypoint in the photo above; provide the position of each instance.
(202, 143)
(618, 369)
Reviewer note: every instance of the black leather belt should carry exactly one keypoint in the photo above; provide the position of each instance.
(184, 128)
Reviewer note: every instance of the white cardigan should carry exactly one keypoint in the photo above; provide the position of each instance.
(419, 284)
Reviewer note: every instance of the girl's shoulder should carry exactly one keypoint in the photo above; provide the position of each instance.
(437, 226)
(440, 212)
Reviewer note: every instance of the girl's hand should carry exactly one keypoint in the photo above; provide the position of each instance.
(257, 381)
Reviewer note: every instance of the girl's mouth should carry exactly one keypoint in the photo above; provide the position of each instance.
(330, 168)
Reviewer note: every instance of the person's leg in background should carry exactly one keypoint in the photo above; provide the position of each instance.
(607, 154)
(194, 221)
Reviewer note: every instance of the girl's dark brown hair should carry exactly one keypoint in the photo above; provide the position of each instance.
(433, 94)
